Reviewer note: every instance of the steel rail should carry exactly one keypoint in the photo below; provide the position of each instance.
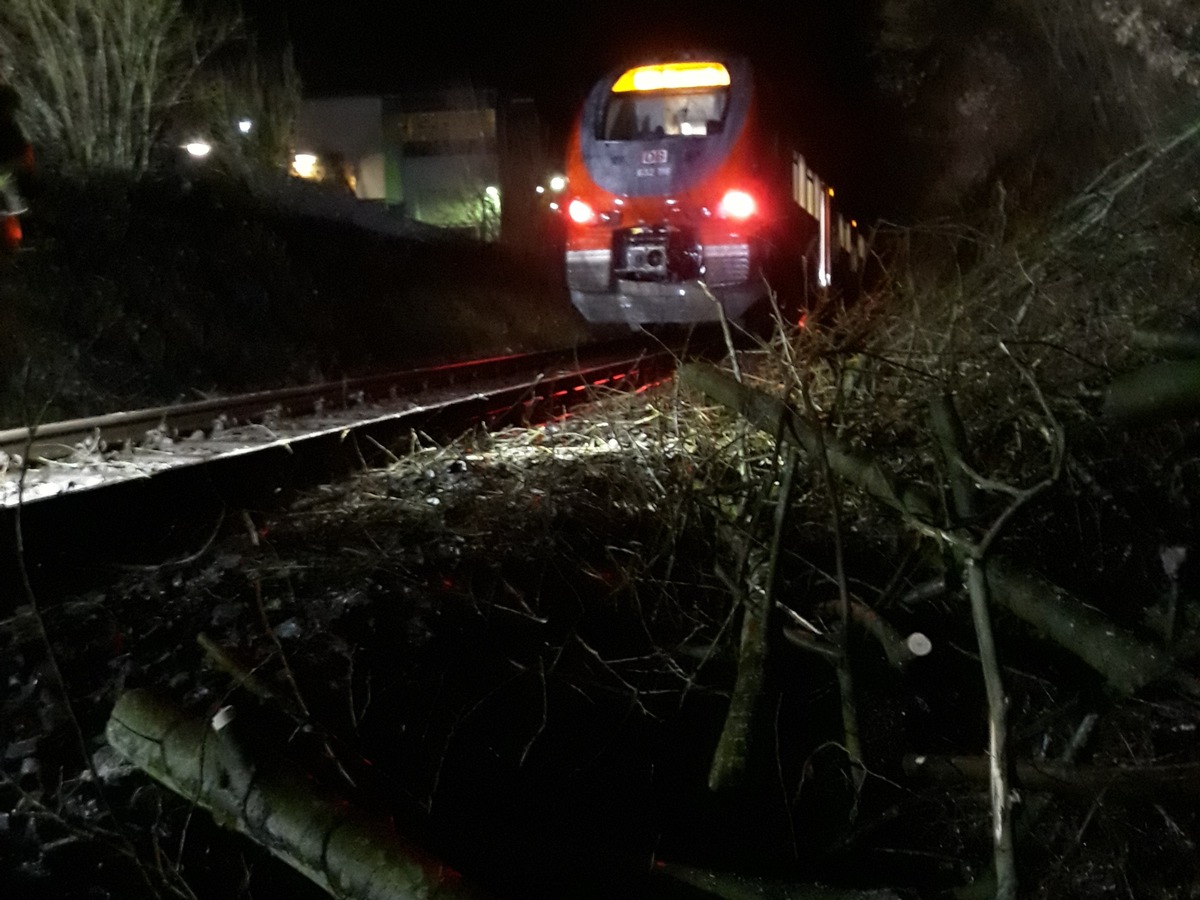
(58, 440)
(311, 425)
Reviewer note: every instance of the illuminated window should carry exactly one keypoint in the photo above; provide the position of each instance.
(694, 112)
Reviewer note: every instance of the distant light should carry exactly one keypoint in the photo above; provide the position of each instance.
(492, 191)
(554, 206)
(305, 165)
(198, 149)
(558, 183)
(540, 189)
(244, 126)
(831, 192)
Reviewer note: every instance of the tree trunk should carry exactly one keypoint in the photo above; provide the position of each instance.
(1154, 393)
(731, 886)
(732, 755)
(344, 850)
(1169, 343)
(1137, 784)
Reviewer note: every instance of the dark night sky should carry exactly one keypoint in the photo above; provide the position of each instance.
(812, 51)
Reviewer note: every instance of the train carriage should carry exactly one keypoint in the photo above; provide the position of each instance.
(682, 205)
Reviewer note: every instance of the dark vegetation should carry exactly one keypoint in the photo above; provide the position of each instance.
(188, 283)
(524, 645)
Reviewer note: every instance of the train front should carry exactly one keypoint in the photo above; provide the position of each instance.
(666, 205)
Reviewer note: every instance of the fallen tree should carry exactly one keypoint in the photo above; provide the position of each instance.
(1125, 661)
(344, 850)
(1129, 784)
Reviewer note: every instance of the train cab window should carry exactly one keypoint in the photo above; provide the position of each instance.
(680, 99)
(631, 117)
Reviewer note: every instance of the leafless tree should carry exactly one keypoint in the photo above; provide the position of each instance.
(99, 78)
(257, 86)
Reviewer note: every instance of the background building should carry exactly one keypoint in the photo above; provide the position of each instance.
(458, 158)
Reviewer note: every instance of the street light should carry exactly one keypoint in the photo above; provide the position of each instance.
(305, 164)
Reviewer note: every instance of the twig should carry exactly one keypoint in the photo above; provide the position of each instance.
(845, 676)
(545, 710)
(1001, 795)
(181, 561)
(733, 358)
(241, 676)
(811, 643)
(298, 698)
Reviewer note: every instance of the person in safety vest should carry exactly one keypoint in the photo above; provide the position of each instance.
(16, 158)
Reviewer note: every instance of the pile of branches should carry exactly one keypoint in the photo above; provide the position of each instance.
(1017, 431)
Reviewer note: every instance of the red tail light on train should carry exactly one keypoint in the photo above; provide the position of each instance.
(581, 212)
(737, 205)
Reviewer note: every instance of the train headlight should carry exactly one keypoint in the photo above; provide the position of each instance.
(737, 205)
(581, 212)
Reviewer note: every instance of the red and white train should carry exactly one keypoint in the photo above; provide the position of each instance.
(683, 206)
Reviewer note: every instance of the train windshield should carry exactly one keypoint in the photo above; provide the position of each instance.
(664, 101)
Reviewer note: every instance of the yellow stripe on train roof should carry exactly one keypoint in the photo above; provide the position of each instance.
(673, 76)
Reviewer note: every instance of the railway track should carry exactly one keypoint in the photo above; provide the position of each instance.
(81, 498)
(82, 454)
